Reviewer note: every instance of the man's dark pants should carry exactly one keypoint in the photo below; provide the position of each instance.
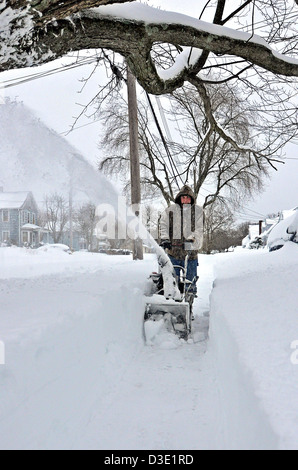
(191, 274)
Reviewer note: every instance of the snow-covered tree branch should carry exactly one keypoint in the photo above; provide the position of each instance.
(33, 33)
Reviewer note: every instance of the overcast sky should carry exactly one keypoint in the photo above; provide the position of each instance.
(57, 100)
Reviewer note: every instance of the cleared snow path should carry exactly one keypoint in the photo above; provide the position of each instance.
(166, 398)
(78, 375)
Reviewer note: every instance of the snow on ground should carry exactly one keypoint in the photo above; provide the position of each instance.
(69, 335)
(253, 326)
(78, 374)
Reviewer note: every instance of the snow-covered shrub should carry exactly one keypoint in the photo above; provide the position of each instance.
(256, 243)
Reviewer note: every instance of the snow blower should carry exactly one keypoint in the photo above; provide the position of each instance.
(168, 299)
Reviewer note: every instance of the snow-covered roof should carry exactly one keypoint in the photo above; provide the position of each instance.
(31, 227)
(271, 221)
(13, 200)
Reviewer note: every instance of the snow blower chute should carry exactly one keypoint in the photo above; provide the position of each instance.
(168, 300)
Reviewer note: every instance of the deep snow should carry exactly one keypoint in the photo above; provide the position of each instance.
(254, 327)
(78, 374)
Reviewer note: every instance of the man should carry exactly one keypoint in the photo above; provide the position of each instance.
(181, 232)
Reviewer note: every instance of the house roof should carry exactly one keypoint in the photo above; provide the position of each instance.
(13, 200)
(31, 227)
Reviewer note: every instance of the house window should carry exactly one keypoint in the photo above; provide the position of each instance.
(33, 219)
(5, 216)
(5, 236)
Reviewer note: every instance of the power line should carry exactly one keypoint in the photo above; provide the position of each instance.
(80, 127)
(171, 160)
(243, 211)
(158, 149)
(253, 212)
(164, 121)
(36, 76)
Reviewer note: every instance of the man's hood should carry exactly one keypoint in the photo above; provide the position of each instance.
(185, 191)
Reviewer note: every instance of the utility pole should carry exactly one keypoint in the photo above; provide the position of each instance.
(70, 206)
(70, 219)
(260, 227)
(135, 177)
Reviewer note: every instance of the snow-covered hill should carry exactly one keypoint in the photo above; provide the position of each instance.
(35, 158)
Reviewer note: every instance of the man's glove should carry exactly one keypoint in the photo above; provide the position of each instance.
(166, 244)
(188, 245)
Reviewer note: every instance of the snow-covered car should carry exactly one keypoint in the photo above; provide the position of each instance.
(284, 231)
(55, 247)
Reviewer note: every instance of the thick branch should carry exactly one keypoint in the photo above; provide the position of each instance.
(134, 40)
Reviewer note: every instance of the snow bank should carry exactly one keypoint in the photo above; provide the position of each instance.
(254, 325)
(284, 231)
(77, 374)
(68, 340)
(26, 263)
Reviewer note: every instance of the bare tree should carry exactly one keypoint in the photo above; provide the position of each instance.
(220, 229)
(56, 215)
(218, 222)
(224, 153)
(86, 221)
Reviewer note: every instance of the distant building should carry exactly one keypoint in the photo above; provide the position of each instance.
(18, 219)
(78, 242)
